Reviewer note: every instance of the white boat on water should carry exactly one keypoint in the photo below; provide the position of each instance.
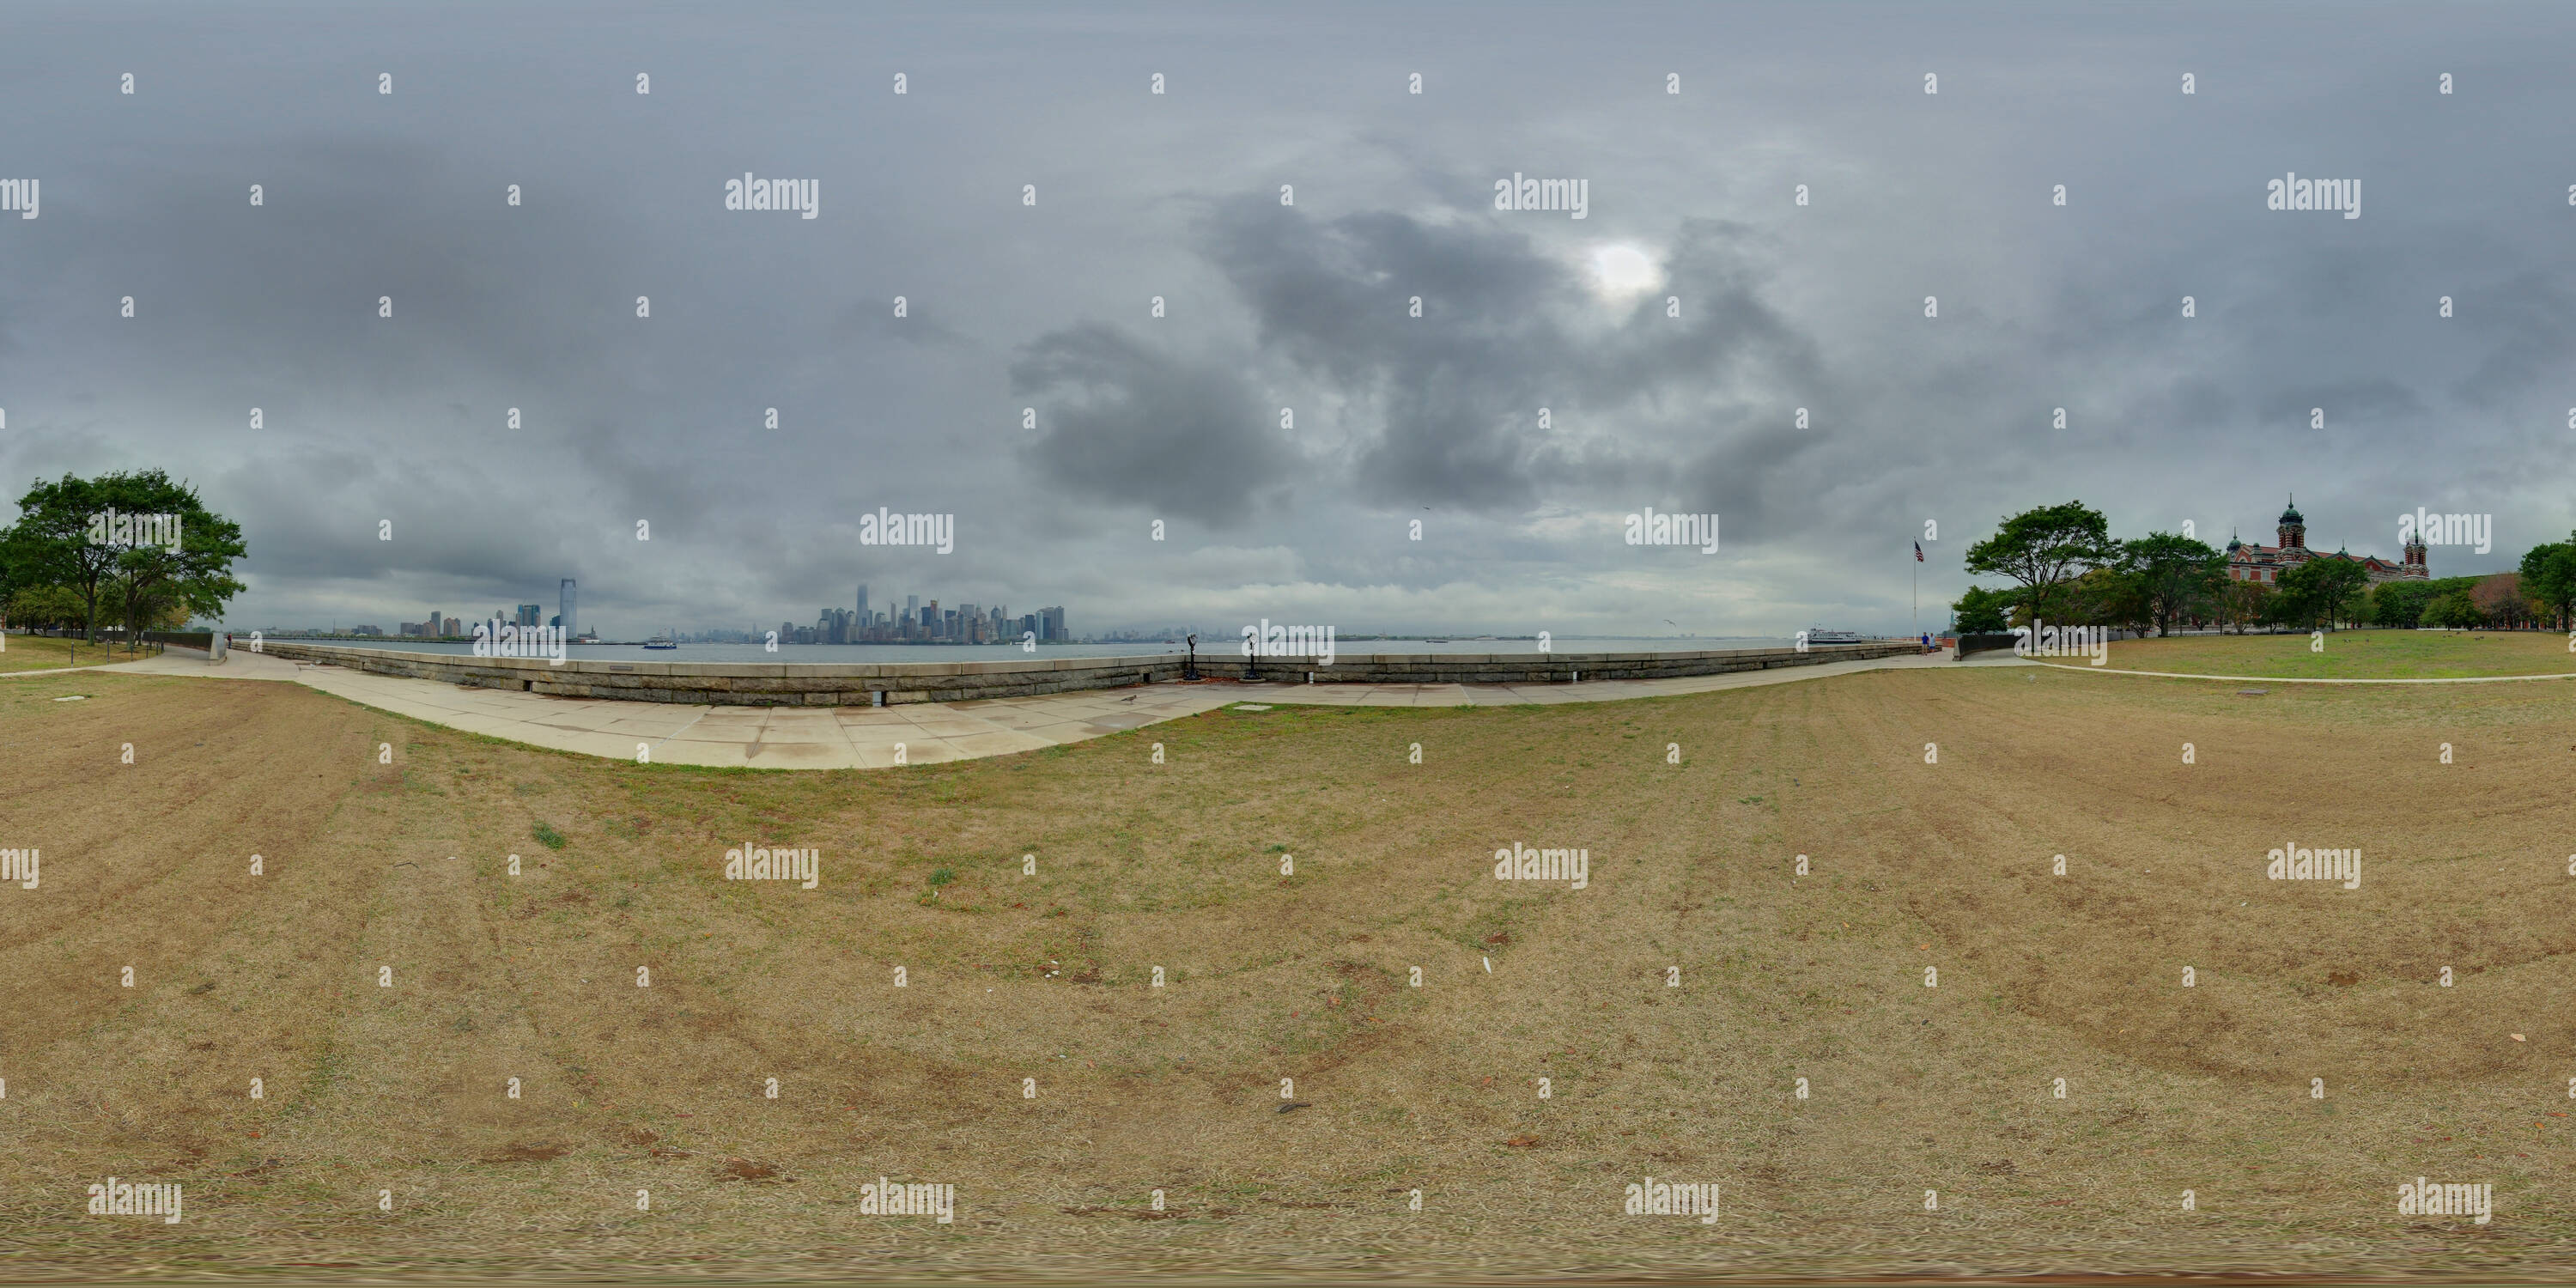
(1819, 635)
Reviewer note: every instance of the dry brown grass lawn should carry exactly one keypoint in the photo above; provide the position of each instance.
(1176, 865)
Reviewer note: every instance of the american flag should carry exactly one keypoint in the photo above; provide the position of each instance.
(1918, 552)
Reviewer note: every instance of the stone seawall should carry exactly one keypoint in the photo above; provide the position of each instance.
(882, 683)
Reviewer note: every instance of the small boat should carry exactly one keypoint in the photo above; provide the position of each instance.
(1819, 635)
(660, 644)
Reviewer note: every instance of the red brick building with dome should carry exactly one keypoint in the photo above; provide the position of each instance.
(2267, 563)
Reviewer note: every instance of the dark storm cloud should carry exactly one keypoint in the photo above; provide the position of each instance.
(1131, 426)
(1449, 401)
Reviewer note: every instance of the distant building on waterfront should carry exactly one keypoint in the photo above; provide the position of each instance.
(917, 622)
(2267, 563)
(565, 606)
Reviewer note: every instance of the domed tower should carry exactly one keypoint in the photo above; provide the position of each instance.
(2416, 568)
(2294, 529)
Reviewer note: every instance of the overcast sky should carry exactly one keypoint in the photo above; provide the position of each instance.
(2170, 419)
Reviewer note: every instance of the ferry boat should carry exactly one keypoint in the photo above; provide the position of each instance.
(1819, 635)
(661, 643)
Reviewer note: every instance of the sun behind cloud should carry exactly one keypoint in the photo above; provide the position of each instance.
(1622, 271)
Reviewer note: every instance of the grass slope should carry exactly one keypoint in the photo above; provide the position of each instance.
(37, 653)
(1307, 977)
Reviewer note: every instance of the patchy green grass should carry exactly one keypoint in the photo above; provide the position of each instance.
(2348, 655)
(37, 653)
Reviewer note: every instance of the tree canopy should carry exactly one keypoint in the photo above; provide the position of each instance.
(2045, 549)
(144, 542)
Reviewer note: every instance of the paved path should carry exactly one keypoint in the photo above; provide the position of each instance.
(867, 737)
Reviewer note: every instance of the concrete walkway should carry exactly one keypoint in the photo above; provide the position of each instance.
(921, 734)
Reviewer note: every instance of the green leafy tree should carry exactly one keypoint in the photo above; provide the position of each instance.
(2177, 575)
(1982, 612)
(16, 576)
(51, 544)
(2045, 549)
(195, 579)
(36, 607)
(57, 541)
(2549, 578)
(2455, 610)
(2111, 595)
(2324, 591)
(2242, 604)
(2401, 604)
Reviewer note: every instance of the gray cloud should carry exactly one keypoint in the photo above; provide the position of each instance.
(1131, 426)
(1782, 306)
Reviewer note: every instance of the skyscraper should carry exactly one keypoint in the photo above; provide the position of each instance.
(863, 603)
(567, 592)
(528, 614)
